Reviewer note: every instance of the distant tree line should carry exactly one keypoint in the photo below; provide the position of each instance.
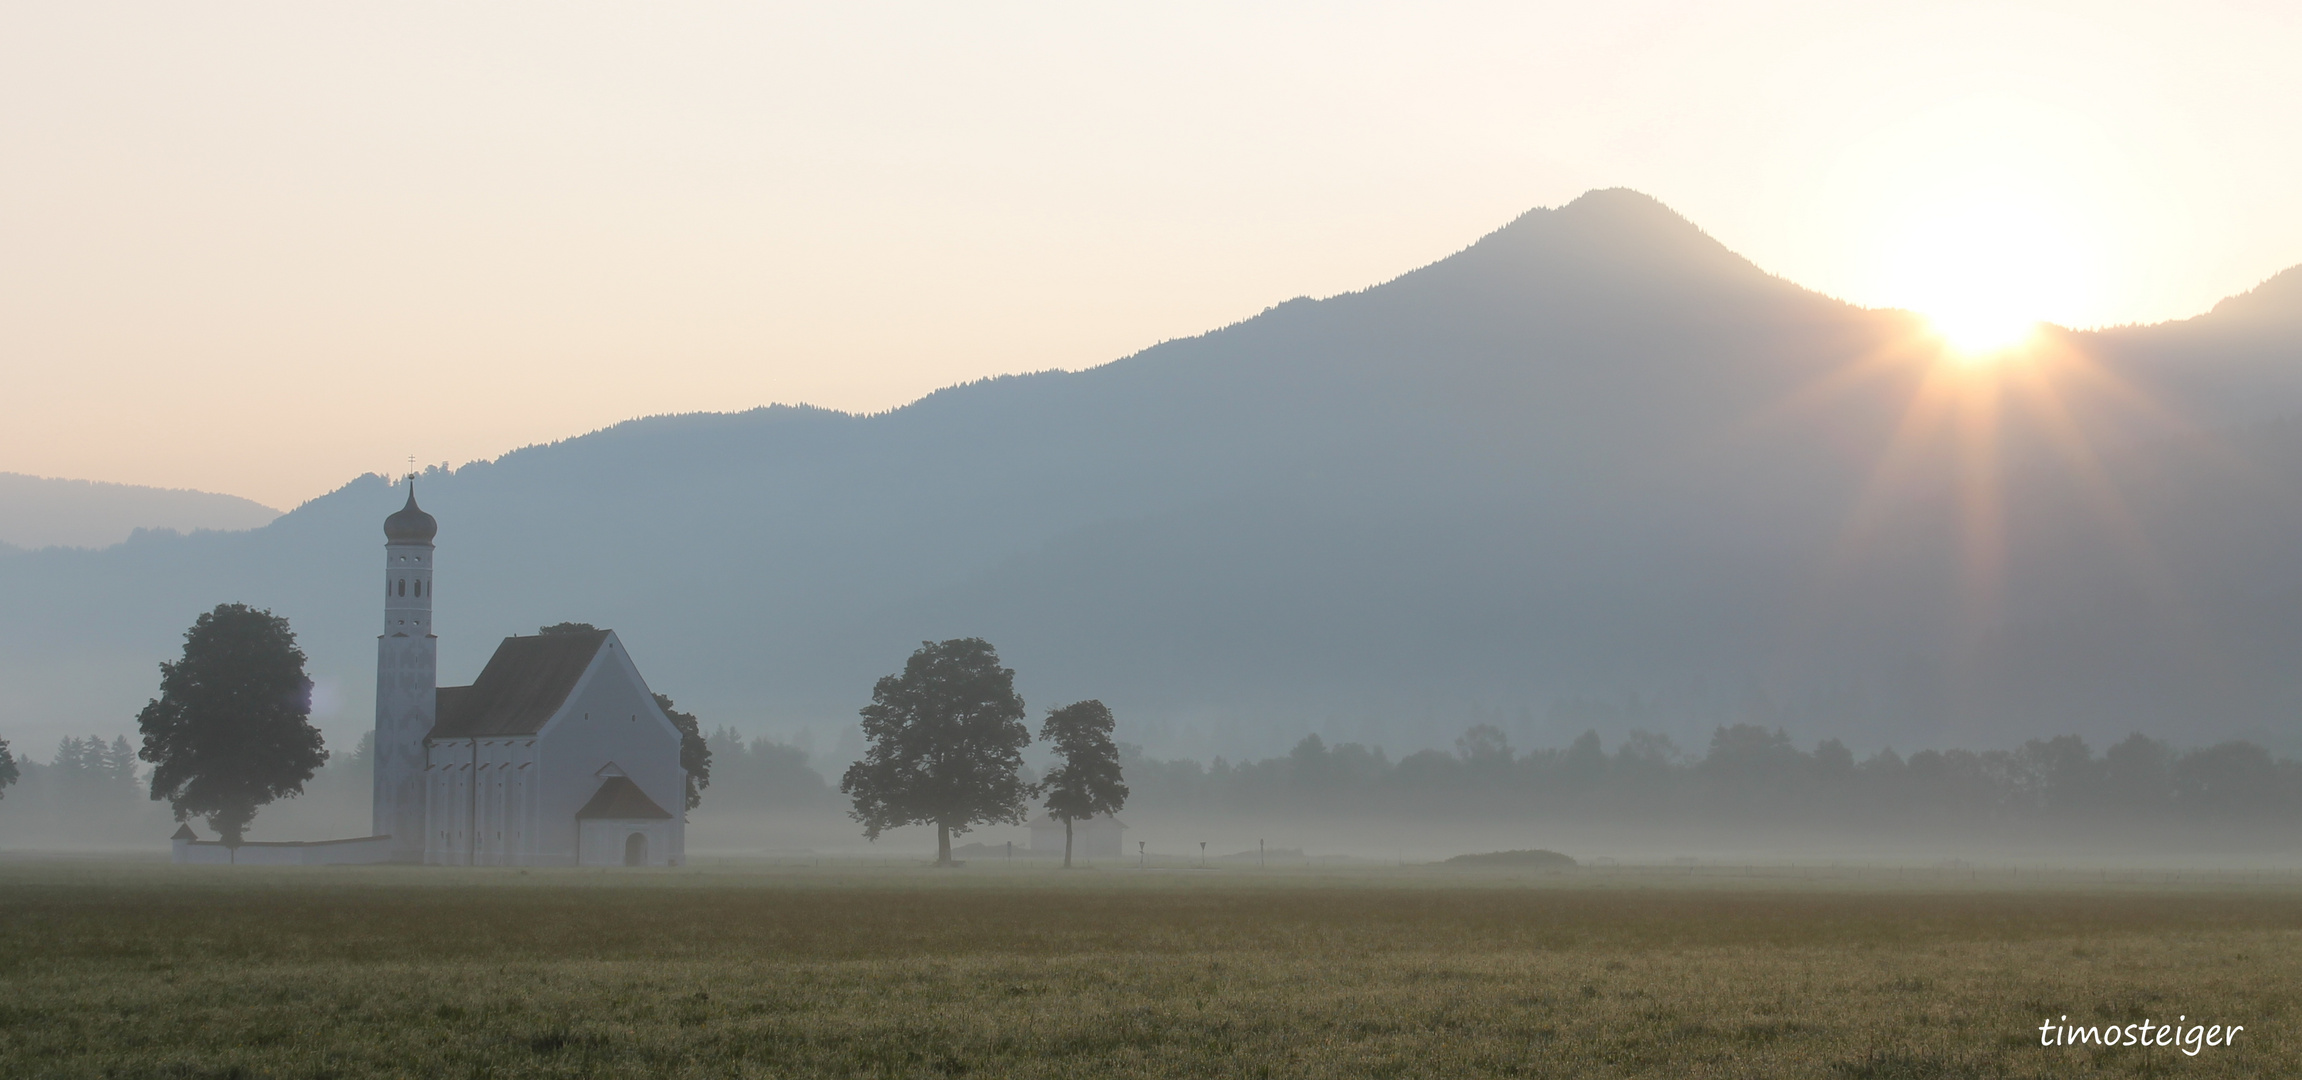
(230, 733)
(1747, 772)
(86, 774)
(89, 792)
(763, 774)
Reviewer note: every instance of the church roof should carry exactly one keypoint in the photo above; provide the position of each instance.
(620, 798)
(525, 682)
(410, 525)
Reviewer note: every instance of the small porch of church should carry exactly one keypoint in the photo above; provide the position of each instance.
(621, 826)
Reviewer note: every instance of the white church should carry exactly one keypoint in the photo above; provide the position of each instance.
(557, 755)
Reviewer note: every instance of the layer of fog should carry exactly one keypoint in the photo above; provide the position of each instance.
(1751, 796)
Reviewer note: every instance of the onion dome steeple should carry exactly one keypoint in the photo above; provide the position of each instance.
(410, 525)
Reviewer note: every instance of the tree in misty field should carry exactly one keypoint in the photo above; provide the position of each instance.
(694, 750)
(7, 768)
(229, 731)
(1087, 783)
(947, 741)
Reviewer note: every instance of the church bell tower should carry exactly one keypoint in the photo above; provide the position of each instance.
(407, 679)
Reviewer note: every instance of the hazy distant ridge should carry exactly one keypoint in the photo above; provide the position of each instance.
(38, 511)
(1593, 470)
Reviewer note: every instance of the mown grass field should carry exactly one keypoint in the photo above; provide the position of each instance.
(125, 970)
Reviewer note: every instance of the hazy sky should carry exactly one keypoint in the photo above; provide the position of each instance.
(260, 248)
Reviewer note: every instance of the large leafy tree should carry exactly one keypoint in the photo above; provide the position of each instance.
(1087, 782)
(694, 750)
(230, 730)
(946, 745)
(7, 768)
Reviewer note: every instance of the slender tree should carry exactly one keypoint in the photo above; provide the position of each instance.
(1087, 782)
(947, 739)
(7, 768)
(694, 751)
(230, 730)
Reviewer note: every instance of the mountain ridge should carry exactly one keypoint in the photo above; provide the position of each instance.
(42, 511)
(1592, 454)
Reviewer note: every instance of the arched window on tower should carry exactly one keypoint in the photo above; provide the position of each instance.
(403, 586)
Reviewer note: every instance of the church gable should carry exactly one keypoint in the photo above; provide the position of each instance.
(614, 696)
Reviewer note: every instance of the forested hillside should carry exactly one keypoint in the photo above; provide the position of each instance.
(1595, 459)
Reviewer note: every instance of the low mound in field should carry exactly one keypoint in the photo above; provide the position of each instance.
(1536, 859)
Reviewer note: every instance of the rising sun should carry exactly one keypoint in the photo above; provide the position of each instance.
(1980, 333)
(1985, 271)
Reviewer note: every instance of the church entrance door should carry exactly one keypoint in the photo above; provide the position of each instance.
(635, 850)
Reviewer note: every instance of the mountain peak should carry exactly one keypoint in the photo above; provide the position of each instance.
(1614, 242)
(1626, 205)
(1619, 231)
(1621, 213)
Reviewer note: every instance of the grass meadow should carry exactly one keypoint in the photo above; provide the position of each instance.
(124, 969)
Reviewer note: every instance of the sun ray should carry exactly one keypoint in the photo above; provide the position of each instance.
(1972, 432)
(2142, 562)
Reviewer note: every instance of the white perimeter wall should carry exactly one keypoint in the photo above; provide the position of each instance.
(361, 852)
